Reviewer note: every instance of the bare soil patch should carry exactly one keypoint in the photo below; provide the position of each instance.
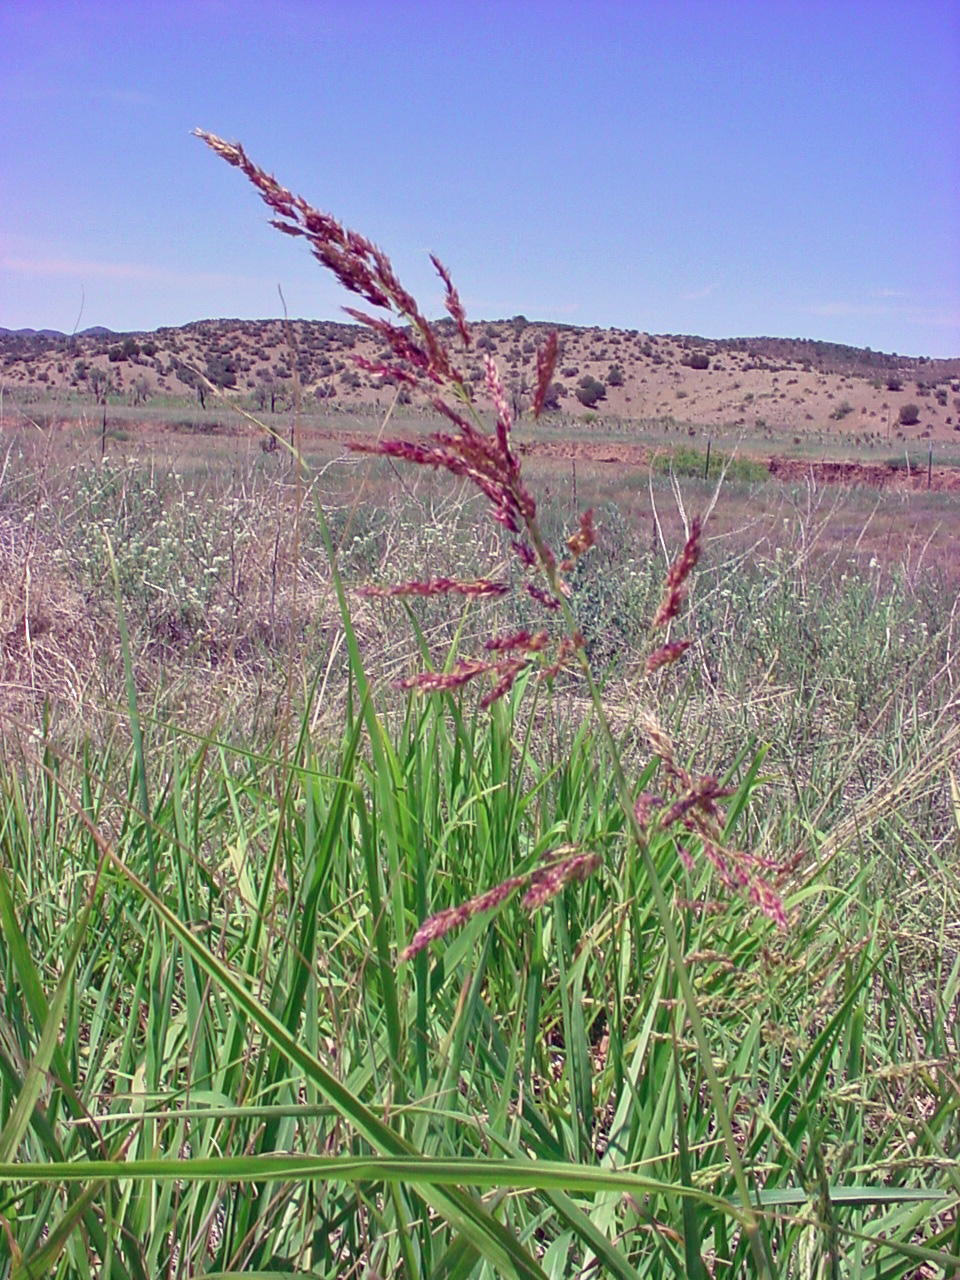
(866, 475)
(587, 451)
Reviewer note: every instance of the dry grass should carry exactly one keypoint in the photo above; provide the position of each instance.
(60, 639)
(281, 921)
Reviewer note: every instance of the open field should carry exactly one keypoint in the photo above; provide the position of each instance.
(215, 847)
(438, 843)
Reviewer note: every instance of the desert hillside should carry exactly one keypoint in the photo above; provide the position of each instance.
(762, 384)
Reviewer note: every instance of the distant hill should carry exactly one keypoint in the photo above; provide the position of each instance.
(763, 384)
(30, 333)
(95, 331)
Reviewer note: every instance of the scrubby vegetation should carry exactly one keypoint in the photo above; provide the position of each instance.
(648, 967)
(590, 391)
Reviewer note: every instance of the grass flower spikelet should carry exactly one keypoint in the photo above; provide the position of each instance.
(452, 301)
(667, 654)
(546, 364)
(481, 588)
(680, 570)
(563, 866)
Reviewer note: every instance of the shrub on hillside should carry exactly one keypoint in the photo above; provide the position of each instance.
(222, 372)
(100, 383)
(699, 360)
(590, 391)
(909, 415)
(615, 376)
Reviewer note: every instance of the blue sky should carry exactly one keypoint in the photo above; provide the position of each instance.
(716, 168)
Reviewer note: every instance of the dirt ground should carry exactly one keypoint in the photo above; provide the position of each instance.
(788, 470)
(866, 475)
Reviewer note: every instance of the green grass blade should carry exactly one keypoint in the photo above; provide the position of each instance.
(19, 1119)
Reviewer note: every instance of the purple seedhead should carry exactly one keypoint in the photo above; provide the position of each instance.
(525, 553)
(403, 346)
(666, 655)
(691, 804)
(541, 885)
(568, 650)
(442, 681)
(518, 640)
(543, 597)
(480, 589)
(452, 301)
(504, 415)
(507, 678)
(645, 805)
(390, 371)
(677, 575)
(686, 857)
(419, 358)
(579, 543)
(444, 921)
(546, 884)
(546, 363)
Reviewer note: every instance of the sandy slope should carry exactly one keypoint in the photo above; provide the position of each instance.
(763, 385)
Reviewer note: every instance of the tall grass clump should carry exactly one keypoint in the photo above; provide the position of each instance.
(492, 979)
